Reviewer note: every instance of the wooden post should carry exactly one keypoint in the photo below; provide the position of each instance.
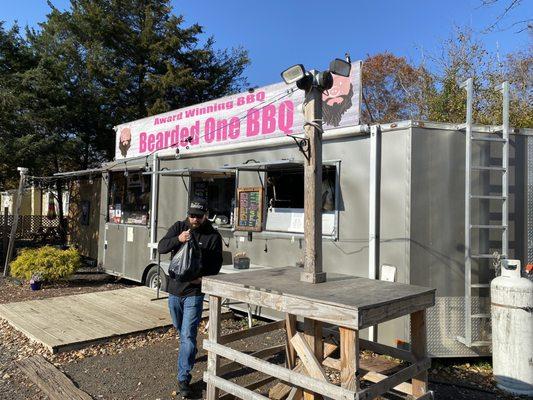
(5, 234)
(311, 364)
(213, 361)
(290, 329)
(313, 188)
(16, 212)
(349, 365)
(418, 348)
(313, 336)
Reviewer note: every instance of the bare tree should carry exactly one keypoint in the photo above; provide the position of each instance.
(510, 5)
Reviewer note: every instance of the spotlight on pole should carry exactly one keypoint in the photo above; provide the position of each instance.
(305, 80)
(293, 74)
(340, 67)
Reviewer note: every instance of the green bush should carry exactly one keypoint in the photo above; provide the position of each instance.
(53, 264)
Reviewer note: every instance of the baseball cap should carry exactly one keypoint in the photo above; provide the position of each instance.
(198, 206)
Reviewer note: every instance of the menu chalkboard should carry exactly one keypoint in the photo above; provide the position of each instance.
(200, 190)
(249, 209)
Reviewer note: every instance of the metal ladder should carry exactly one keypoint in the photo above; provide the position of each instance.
(469, 198)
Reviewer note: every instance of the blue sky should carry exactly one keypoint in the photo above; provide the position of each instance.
(281, 33)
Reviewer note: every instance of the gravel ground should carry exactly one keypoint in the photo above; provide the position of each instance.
(143, 366)
(118, 376)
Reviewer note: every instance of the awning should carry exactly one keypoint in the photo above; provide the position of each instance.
(189, 171)
(266, 165)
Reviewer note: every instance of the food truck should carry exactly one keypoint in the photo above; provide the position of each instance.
(244, 155)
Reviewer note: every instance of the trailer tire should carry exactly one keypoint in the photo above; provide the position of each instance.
(151, 279)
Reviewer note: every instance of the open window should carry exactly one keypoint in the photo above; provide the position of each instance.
(215, 186)
(285, 199)
(284, 195)
(282, 184)
(129, 198)
(218, 190)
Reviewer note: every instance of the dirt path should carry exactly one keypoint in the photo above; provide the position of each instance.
(118, 376)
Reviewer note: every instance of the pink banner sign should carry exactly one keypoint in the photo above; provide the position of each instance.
(264, 113)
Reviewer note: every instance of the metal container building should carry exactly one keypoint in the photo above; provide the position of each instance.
(422, 229)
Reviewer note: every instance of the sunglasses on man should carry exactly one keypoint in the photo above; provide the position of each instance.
(197, 216)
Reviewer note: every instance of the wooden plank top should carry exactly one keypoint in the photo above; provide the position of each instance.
(344, 299)
(69, 322)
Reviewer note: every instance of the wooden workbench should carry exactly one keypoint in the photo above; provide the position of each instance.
(351, 303)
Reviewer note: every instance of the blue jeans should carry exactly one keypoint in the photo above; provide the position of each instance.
(186, 313)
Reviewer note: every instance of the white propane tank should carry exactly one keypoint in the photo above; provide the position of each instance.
(512, 330)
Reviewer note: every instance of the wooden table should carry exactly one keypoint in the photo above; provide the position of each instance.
(229, 269)
(351, 303)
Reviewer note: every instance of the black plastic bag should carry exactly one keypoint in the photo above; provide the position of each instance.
(186, 263)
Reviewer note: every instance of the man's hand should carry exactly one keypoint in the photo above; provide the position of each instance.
(197, 281)
(184, 236)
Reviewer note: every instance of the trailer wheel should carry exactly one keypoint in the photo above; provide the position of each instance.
(152, 280)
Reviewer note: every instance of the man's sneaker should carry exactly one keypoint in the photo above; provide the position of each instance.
(185, 389)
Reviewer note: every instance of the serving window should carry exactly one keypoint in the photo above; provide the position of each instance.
(283, 183)
(285, 199)
(285, 188)
(218, 190)
(129, 198)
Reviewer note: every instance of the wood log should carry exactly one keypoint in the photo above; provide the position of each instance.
(51, 380)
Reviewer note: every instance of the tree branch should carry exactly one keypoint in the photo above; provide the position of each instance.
(513, 4)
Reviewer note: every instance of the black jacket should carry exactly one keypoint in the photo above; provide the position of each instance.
(210, 243)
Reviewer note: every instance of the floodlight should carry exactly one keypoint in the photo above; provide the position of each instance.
(293, 74)
(325, 80)
(340, 67)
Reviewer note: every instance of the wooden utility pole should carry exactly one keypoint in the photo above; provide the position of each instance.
(313, 213)
(313, 187)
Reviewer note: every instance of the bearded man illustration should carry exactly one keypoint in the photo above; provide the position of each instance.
(124, 141)
(337, 100)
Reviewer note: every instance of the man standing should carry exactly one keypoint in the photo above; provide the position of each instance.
(185, 299)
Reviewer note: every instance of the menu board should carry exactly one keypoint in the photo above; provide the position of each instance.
(200, 190)
(249, 209)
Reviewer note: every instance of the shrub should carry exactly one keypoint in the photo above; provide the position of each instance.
(53, 264)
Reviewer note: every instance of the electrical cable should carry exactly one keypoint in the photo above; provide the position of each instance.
(51, 180)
